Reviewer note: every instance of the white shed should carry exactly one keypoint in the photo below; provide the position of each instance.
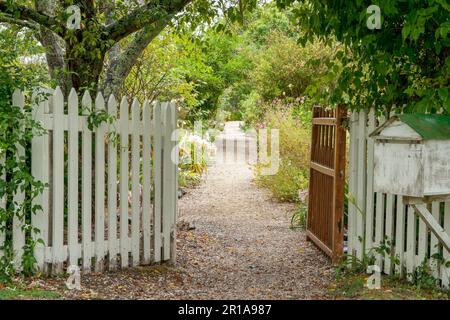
(412, 156)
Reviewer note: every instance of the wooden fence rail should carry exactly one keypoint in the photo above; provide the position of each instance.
(111, 192)
(378, 218)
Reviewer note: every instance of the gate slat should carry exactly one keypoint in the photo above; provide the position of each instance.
(434, 243)
(361, 180)
(400, 234)
(58, 181)
(86, 200)
(446, 271)
(389, 232)
(174, 153)
(112, 189)
(370, 193)
(100, 188)
(157, 167)
(135, 185)
(410, 241)
(73, 178)
(19, 196)
(39, 153)
(379, 225)
(422, 242)
(167, 176)
(124, 240)
(353, 184)
(146, 177)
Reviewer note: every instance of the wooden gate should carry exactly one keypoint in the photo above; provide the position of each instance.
(325, 225)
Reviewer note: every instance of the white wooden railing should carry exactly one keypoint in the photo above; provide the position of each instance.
(382, 217)
(105, 187)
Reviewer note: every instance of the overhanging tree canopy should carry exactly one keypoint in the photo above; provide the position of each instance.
(90, 58)
(406, 62)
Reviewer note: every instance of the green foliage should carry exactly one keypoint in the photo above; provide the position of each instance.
(298, 219)
(405, 64)
(17, 129)
(422, 277)
(16, 293)
(285, 69)
(294, 143)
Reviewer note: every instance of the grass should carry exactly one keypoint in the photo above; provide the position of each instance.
(10, 293)
(353, 287)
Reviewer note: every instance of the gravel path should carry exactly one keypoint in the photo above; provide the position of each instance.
(241, 248)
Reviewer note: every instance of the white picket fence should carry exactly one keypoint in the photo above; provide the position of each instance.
(98, 209)
(384, 216)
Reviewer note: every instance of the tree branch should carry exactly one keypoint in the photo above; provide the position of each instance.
(54, 47)
(148, 14)
(28, 14)
(6, 18)
(121, 65)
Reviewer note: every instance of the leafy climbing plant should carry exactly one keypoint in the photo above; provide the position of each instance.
(17, 128)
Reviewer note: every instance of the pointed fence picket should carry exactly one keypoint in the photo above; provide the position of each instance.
(97, 207)
(386, 219)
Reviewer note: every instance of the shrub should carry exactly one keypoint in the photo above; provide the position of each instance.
(295, 140)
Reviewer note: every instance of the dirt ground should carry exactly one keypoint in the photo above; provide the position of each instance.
(234, 243)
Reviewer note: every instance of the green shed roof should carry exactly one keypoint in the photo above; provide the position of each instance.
(428, 126)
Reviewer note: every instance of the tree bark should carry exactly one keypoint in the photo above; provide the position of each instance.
(76, 57)
(120, 64)
(54, 48)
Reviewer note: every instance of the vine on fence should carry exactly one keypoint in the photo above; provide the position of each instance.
(17, 128)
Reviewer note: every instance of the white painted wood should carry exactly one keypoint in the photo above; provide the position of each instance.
(436, 168)
(445, 275)
(435, 227)
(37, 170)
(412, 169)
(167, 176)
(124, 169)
(389, 231)
(73, 178)
(174, 183)
(146, 188)
(135, 181)
(19, 196)
(157, 167)
(400, 233)
(422, 242)
(410, 242)
(379, 227)
(86, 200)
(353, 183)
(112, 188)
(398, 129)
(434, 242)
(58, 181)
(399, 168)
(57, 253)
(370, 193)
(361, 179)
(100, 188)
